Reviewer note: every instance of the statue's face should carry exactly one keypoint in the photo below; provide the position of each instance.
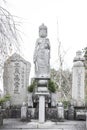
(42, 33)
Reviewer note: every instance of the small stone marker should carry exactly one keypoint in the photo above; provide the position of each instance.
(60, 109)
(24, 112)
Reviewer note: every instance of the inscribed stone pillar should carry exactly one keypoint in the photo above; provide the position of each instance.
(78, 79)
(16, 78)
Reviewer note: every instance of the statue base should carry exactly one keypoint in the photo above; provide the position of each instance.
(42, 92)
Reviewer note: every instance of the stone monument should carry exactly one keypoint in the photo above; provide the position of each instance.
(42, 69)
(60, 109)
(53, 99)
(78, 80)
(71, 112)
(24, 112)
(16, 79)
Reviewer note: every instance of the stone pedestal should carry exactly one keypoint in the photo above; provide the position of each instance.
(42, 105)
(42, 92)
(41, 108)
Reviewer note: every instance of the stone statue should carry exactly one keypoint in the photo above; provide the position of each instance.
(42, 54)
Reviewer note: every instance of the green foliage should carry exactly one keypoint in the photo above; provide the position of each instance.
(7, 97)
(66, 103)
(31, 87)
(4, 99)
(51, 86)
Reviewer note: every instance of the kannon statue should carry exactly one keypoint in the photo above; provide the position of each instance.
(42, 54)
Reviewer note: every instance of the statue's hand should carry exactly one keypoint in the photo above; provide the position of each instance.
(47, 46)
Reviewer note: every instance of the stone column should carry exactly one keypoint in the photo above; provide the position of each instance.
(41, 108)
(78, 80)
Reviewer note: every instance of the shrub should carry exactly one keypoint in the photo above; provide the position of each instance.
(31, 87)
(4, 99)
(66, 103)
(7, 97)
(51, 86)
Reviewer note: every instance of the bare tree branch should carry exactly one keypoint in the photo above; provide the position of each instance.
(9, 39)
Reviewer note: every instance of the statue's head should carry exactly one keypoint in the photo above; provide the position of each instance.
(43, 31)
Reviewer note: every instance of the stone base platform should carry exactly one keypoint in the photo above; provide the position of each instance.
(16, 124)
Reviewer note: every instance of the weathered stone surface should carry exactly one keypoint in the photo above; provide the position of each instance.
(41, 108)
(42, 54)
(42, 94)
(24, 112)
(60, 111)
(31, 113)
(80, 113)
(30, 101)
(51, 114)
(71, 112)
(53, 99)
(16, 79)
(78, 81)
(15, 112)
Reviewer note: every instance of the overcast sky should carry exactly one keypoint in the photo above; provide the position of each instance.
(71, 16)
